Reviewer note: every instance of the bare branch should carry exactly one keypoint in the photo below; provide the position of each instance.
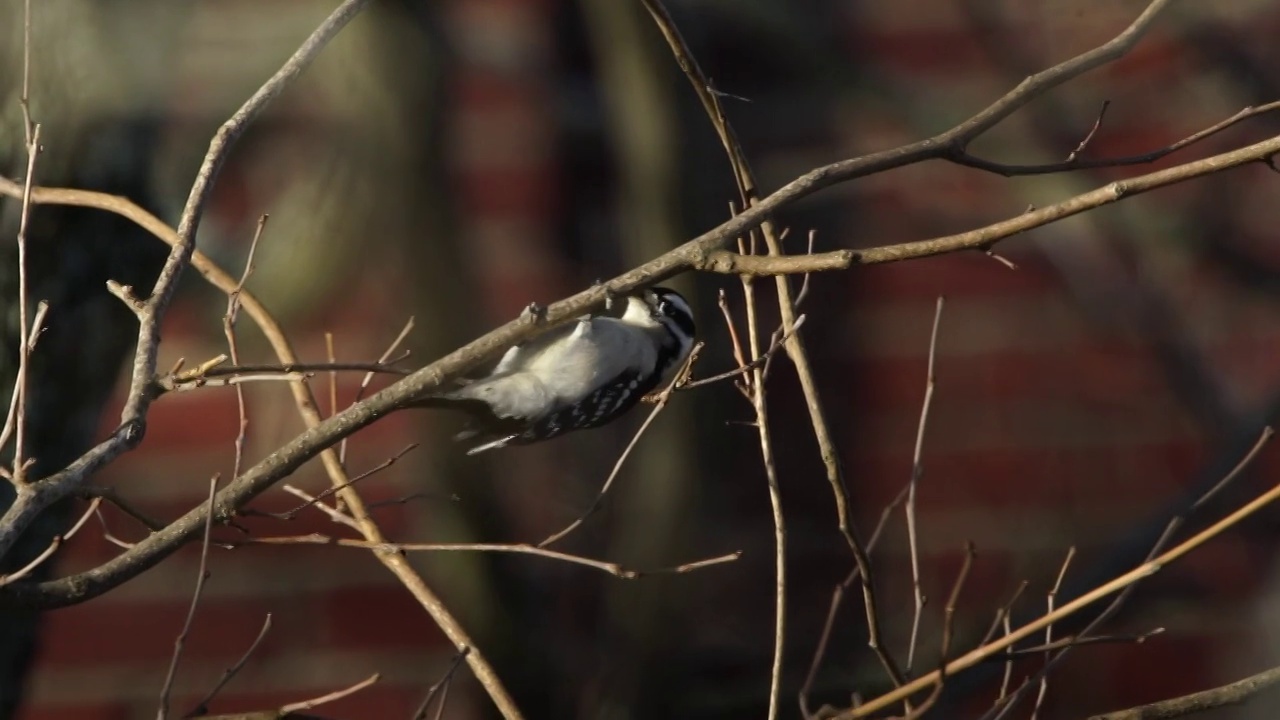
(202, 707)
(613, 569)
(337, 695)
(984, 237)
(1074, 162)
(1088, 138)
(368, 376)
(837, 598)
(180, 641)
(32, 500)
(917, 471)
(19, 404)
(289, 515)
(1075, 641)
(1234, 693)
(233, 349)
(663, 398)
(730, 263)
(1050, 599)
(748, 367)
(334, 514)
(54, 544)
(441, 686)
(125, 506)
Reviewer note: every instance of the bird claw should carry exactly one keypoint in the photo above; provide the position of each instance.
(609, 295)
(534, 313)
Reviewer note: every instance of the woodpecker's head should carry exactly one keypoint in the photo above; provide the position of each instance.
(665, 309)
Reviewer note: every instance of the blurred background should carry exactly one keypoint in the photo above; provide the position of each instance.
(453, 160)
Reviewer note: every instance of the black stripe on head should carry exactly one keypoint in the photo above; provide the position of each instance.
(671, 305)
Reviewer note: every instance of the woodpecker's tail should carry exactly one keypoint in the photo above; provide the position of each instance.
(481, 422)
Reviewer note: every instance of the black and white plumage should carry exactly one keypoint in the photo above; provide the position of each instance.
(582, 375)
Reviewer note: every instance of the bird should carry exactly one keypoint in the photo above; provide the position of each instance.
(581, 375)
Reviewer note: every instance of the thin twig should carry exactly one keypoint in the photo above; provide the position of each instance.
(202, 707)
(1002, 620)
(404, 499)
(1088, 138)
(24, 347)
(1234, 693)
(125, 506)
(31, 137)
(804, 284)
(949, 610)
(387, 368)
(1048, 630)
(333, 375)
(1074, 162)
(180, 641)
(917, 470)
(761, 361)
(948, 620)
(291, 514)
(229, 331)
(368, 377)
(437, 686)
(336, 695)
(663, 398)
(37, 327)
(334, 514)
(760, 404)
(743, 384)
(54, 544)
(1267, 434)
(106, 532)
(611, 568)
(1075, 641)
(837, 598)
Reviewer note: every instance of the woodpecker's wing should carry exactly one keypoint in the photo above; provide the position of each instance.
(519, 356)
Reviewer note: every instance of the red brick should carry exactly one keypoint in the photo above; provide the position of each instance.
(378, 617)
(107, 632)
(1117, 377)
(955, 276)
(1136, 674)
(1016, 478)
(1225, 569)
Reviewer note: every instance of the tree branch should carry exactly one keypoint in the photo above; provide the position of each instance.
(33, 499)
(1235, 693)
